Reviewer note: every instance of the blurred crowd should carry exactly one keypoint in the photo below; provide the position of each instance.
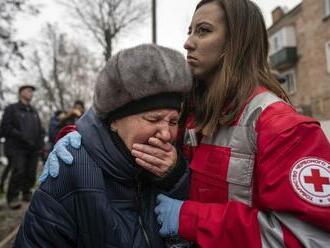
(25, 143)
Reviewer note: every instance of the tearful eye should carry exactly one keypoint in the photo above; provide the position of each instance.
(173, 122)
(155, 120)
(152, 119)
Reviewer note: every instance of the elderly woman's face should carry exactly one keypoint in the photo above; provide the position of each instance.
(162, 124)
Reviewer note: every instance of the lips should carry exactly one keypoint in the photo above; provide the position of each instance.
(191, 59)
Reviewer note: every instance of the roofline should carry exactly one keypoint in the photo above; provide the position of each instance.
(285, 15)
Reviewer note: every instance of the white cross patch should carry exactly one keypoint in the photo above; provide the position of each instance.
(310, 179)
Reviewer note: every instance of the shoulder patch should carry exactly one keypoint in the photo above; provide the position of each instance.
(310, 179)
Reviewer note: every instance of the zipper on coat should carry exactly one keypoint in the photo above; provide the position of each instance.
(140, 211)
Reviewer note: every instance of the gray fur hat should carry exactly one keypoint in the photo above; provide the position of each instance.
(139, 79)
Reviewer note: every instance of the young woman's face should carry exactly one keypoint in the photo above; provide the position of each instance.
(162, 124)
(207, 36)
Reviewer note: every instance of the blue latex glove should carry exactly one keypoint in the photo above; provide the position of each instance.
(167, 212)
(52, 164)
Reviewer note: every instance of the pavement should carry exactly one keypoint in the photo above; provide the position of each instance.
(10, 219)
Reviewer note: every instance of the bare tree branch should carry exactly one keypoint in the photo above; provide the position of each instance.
(66, 71)
(44, 82)
(11, 56)
(106, 19)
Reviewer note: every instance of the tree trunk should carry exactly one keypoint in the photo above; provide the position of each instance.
(108, 43)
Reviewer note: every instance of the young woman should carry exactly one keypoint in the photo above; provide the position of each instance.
(260, 172)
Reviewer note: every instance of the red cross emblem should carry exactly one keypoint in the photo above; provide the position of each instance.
(310, 179)
(317, 180)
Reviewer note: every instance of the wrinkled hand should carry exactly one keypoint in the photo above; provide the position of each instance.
(167, 212)
(157, 157)
(52, 164)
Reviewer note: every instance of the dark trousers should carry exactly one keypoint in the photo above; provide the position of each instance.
(23, 173)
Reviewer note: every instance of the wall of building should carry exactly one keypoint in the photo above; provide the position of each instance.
(312, 78)
(326, 128)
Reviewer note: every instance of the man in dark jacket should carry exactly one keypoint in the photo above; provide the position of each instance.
(105, 199)
(24, 135)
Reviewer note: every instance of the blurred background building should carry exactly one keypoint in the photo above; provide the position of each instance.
(300, 52)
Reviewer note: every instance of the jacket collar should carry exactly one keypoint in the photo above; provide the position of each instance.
(21, 105)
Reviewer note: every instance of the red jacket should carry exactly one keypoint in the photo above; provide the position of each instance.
(264, 182)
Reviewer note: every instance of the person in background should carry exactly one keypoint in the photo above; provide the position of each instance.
(105, 199)
(54, 126)
(72, 115)
(24, 135)
(259, 170)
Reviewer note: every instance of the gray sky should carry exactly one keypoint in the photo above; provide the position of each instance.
(173, 18)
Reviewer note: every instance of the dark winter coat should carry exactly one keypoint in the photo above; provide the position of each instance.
(102, 200)
(53, 129)
(21, 126)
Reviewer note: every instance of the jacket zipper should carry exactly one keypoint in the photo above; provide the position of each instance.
(139, 191)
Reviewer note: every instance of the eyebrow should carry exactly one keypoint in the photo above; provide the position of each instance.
(159, 115)
(203, 23)
(200, 24)
(153, 114)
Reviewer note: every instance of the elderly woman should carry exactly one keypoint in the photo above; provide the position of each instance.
(105, 200)
(259, 170)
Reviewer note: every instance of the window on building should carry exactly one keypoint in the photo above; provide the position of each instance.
(327, 7)
(289, 85)
(276, 43)
(327, 55)
(285, 37)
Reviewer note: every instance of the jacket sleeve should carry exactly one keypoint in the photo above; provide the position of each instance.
(42, 133)
(180, 189)
(46, 224)
(8, 126)
(279, 216)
